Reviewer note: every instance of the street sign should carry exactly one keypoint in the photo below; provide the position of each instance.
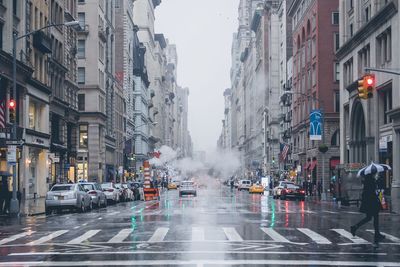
(12, 154)
(14, 142)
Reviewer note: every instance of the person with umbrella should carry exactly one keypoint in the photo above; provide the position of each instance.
(370, 204)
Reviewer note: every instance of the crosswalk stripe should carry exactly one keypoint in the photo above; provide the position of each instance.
(47, 238)
(198, 234)
(388, 236)
(348, 235)
(121, 236)
(159, 234)
(232, 234)
(15, 237)
(317, 238)
(274, 235)
(83, 237)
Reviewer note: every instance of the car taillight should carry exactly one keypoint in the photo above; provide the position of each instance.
(283, 191)
(302, 191)
(92, 193)
(110, 190)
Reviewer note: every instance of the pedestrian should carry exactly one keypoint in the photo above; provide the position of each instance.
(370, 205)
(310, 188)
(3, 195)
(319, 188)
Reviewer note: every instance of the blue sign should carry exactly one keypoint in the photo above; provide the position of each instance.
(316, 125)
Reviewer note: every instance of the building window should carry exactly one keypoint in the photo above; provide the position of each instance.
(101, 52)
(81, 18)
(363, 59)
(81, 1)
(32, 115)
(336, 102)
(335, 18)
(384, 47)
(314, 75)
(83, 136)
(81, 49)
(348, 72)
(1, 36)
(351, 30)
(336, 72)
(313, 47)
(335, 140)
(387, 105)
(336, 41)
(81, 75)
(367, 14)
(81, 102)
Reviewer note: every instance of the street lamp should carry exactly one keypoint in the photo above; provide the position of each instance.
(323, 194)
(14, 204)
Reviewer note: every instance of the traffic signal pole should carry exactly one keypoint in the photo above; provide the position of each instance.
(368, 69)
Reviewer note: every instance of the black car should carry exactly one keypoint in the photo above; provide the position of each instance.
(293, 191)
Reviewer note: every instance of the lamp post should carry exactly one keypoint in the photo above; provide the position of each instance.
(14, 204)
(323, 193)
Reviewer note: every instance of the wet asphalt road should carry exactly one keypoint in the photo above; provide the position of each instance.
(216, 228)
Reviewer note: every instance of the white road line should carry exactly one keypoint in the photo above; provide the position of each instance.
(275, 235)
(47, 238)
(198, 234)
(121, 236)
(388, 236)
(263, 262)
(348, 235)
(232, 234)
(159, 234)
(317, 238)
(15, 237)
(83, 237)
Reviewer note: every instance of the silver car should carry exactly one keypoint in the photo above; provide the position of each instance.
(67, 196)
(187, 188)
(112, 193)
(95, 191)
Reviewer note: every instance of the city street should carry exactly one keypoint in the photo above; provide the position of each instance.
(219, 227)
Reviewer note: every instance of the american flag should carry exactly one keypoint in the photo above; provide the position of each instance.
(284, 151)
(2, 114)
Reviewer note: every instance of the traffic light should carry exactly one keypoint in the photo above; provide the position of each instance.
(366, 86)
(12, 108)
(273, 160)
(141, 169)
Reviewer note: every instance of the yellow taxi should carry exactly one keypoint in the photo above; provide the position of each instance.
(256, 189)
(172, 186)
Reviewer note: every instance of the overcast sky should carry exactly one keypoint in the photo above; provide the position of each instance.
(202, 31)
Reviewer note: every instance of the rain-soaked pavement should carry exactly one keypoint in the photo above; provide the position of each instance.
(216, 228)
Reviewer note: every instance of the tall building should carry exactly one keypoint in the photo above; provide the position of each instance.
(370, 129)
(315, 86)
(101, 98)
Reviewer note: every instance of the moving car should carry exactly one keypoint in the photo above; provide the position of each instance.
(244, 185)
(276, 192)
(187, 188)
(125, 193)
(67, 196)
(256, 189)
(290, 190)
(112, 193)
(95, 191)
(172, 186)
(295, 192)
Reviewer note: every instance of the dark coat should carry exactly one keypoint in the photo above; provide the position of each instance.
(370, 203)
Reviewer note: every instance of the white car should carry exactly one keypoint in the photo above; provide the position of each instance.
(276, 192)
(244, 185)
(187, 188)
(112, 193)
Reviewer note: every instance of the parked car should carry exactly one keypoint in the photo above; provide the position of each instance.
(244, 185)
(187, 188)
(112, 193)
(136, 188)
(286, 189)
(67, 196)
(128, 193)
(95, 191)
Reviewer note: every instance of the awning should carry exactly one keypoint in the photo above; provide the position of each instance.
(313, 164)
(333, 163)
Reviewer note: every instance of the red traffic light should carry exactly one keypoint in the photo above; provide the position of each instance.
(370, 81)
(12, 104)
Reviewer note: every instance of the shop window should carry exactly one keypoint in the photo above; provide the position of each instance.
(83, 136)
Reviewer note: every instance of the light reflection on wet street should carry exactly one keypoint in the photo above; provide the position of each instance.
(218, 227)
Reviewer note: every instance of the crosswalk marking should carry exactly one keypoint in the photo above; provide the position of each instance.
(15, 237)
(198, 234)
(317, 238)
(348, 235)
(47, 238)
(274, 235)
(388, 236)
(159, 234)
(121, 236)
(232, 234)
(83, 237)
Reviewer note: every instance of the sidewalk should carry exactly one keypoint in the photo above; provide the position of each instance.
(31, 207)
